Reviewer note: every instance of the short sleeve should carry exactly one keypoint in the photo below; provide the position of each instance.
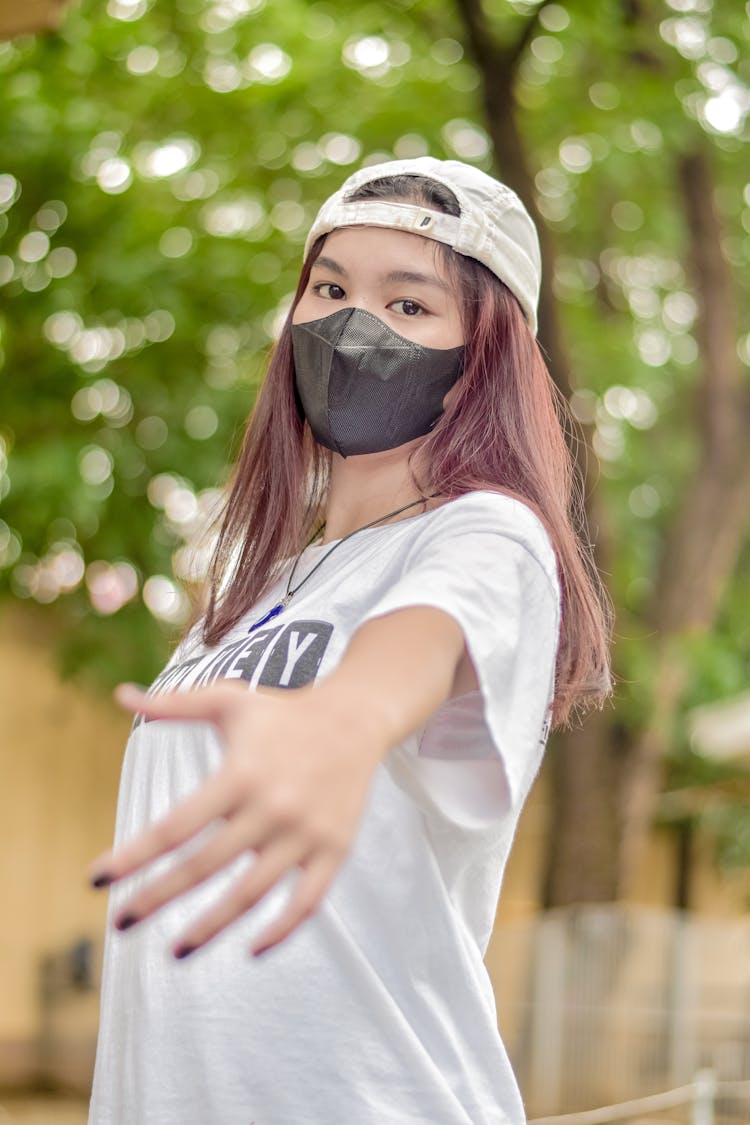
(486, 560)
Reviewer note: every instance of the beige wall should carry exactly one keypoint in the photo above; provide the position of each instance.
(60, 754)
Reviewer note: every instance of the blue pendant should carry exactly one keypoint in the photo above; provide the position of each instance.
(268, 617)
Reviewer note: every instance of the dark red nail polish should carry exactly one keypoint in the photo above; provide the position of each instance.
(184, 951)
(126, 921)
(100, 880)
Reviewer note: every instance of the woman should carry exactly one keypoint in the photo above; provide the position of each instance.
(358, 825)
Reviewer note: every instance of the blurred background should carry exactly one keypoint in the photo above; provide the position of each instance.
(160, 164)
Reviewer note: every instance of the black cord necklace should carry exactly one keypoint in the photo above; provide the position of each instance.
(289, 593)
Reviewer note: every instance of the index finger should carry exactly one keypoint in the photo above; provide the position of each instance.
(209, 704)
(212, 800)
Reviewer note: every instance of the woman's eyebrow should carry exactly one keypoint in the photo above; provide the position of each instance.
(393, 276)
(329, 264)
(415, 278)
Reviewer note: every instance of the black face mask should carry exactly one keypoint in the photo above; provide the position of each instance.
(363, 387)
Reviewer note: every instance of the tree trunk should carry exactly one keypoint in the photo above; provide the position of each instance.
(581, 863)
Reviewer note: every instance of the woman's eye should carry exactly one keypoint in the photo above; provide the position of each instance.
(408, 308)
(329, 290)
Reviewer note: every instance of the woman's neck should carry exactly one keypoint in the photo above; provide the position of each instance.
(368, 486)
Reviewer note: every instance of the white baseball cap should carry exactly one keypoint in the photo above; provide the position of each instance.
(494, 226)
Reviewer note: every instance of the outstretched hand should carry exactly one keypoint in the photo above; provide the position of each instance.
(292, 788)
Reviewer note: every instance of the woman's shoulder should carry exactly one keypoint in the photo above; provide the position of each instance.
(488, 509)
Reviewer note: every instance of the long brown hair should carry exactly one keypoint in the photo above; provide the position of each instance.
(503, 431)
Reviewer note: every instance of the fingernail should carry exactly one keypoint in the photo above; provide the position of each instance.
(126, 921)
(184, 951)
(102, 880)
(261, 949)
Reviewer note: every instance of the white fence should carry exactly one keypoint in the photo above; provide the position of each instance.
(700, 1098)
(608, 1004)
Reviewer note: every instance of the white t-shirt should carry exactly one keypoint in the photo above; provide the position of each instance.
(378, 1009)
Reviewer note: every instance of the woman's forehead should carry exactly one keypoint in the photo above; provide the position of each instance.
(381, 250)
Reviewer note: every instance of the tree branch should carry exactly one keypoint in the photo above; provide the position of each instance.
(516, 50)
(490, 55)
(487, 53)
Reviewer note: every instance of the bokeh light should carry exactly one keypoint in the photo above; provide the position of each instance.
(111, 585)
(128, 10)
(233, 217)
(446, 52)
(10, 545)
(468, 140)
(151, 432)
(267, 63)
(176, 242)
(59, 571)
(114, 175)
(409, 146)
(33, 246)
(373, 56)
(165, 599)
(644, 501)
(632, 404)
(95, 464)
(554, 17)
(105, 398)
(201, 422)
(142, 59)
(10, 189)
(4, 474)
(340, 148)
(224, 14)
(575, 155)
(159, 161)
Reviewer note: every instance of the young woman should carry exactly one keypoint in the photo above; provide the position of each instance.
(358, 825)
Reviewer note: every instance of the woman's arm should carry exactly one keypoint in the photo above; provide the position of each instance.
(396, 671)
(295, 775)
